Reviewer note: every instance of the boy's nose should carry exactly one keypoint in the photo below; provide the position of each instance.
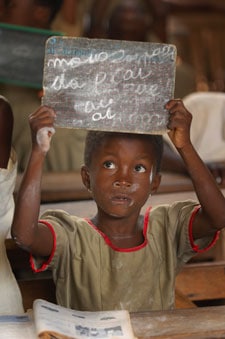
(123, 177)
(121, 183)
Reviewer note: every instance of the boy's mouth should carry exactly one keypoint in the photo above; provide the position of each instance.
(121, 199)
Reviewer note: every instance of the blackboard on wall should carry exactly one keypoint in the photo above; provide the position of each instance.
(112, 85)
(22, 55)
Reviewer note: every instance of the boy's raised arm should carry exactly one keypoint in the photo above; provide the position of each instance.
(26, 231)
(211, 217)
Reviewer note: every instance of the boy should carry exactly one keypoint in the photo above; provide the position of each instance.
(10, 296)
(119, 259)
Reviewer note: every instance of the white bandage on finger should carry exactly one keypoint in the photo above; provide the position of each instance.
(44, 136)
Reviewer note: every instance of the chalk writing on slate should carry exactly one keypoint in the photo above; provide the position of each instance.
(111, 85)
(22, 55)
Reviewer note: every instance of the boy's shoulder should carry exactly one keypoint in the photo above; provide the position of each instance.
(171, 214)
(62, 217)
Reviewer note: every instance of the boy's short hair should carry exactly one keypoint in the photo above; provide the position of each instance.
(95, 138)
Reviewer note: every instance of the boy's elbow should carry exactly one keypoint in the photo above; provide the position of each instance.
(218, 225)
(22, 241)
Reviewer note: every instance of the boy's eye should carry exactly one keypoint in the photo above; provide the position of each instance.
(109, 164)
(140, 168)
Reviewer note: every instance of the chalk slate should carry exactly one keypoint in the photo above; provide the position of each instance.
(112, 85)
(22, 55)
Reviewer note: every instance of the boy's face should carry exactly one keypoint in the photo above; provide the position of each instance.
(121, 175)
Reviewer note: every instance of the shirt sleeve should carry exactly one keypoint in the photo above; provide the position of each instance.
(62, 225)
(205, 243)
(38, 264)
(184, 214)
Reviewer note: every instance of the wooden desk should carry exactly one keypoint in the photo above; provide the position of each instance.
(197, 323)
(68, 186)
(202, 281)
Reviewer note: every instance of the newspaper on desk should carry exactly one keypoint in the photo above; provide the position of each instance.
(17, 327)
(49, 320)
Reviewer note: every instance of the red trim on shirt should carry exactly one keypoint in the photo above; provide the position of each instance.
(193, 245)
(44, 266)
(146, 221)
(119, 249)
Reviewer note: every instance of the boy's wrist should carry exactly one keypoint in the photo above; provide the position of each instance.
(38, 153)
(186, 148)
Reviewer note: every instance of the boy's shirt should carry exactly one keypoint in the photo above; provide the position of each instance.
(92, 274)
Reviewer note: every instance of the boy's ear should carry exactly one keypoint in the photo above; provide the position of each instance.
(155, 182)
(85, 176)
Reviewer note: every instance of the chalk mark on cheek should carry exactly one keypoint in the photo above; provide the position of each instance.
(134, 188)
(151, 175)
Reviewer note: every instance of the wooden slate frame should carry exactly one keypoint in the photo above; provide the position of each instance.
(112, 85)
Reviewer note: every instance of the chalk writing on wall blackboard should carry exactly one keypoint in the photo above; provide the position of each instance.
(22, 55)
(109, 84)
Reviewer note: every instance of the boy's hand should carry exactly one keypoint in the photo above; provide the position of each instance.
(179, 123)
(42, 128)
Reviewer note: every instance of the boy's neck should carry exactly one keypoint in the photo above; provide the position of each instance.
(122, 233)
